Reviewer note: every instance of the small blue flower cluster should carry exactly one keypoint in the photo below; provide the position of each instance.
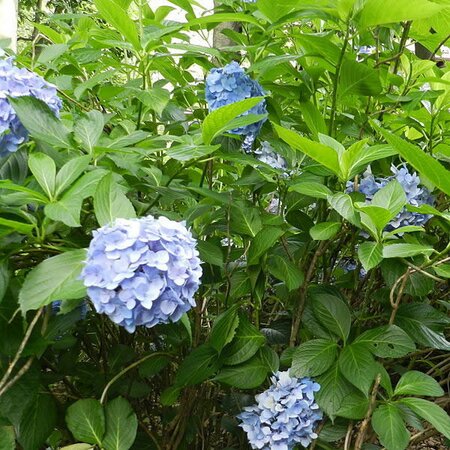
(285, 415)
(415, 195)
(142, 271)
(229, 85)
(15, 82)
(267, 154)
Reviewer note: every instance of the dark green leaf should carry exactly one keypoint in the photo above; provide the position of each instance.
(354, 406)
(324, 231)
(262, 242)
(88, 129)
(370, 254)
(121, 425)
(224, 329)
(314, 357)
(287, 271)
(406, 250)
(86, 420)
(7, 438)
(414, 382)
(387, 421)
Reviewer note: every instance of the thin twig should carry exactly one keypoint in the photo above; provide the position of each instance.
(23, 370)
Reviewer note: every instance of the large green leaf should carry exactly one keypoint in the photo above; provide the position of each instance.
(224, 329)
(40, 121)
(414, 382)
(406, 250)
(121, 425)
(88, 129)
(422, 162)
(375, 12)
(431, 412)
(312, 189)
(324, 231)
(262, 242)
(370, 254)
(358, 366)
(110, 202)
(220, 120)
(245, 344)
(37, 422)
(56, 278)
(245, 220)
(358, 79)
(387, 421)
(392, 197)
(86, 420)
(334, 388)
(332, 313)
(119, 19)
(44, 170)
(388, 341)
(319, 152)
(314, 357)
(69, 172)
(354, 406)
(199, 365)
(343, 204)
(285, 270)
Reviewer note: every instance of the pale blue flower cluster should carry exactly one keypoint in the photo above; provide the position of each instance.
(285, 414)
(15, 82)
(267, 154)
(416, 195)
(142, 271)
(230, 84)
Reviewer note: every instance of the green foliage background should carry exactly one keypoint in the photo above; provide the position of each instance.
(135, 138)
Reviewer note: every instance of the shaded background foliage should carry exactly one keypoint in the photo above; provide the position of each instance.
(299, 270)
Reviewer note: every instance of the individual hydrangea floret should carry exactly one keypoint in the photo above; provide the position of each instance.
(416, 195)
(142, 271)
(230, 84)
(268, 155)
(285, 414)
(15, 82)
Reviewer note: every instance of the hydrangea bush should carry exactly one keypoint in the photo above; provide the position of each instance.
(176, 273)
(17, 82)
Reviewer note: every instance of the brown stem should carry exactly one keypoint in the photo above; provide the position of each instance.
(396, 303)
(365, 423)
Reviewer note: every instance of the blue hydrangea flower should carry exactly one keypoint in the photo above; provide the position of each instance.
(416, 195)
(142, 271)
(267, 154)
(15, 82)
(285, 414)
(230, 84)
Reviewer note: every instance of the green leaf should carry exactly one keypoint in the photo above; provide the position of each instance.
(219, 121)
(69, 172)
(153, 365)
(156, 98)
(4, 278)
(360, 158)
(358, 79)
(354, 406)
(66, 211)
(245, 344)
(7, 438)
(44, 169)
(313, 118)
(431, 412)
(421, 161)
(388, 341)
(210, 253)
(443, 270)
(387, 421)
(391, 197)
(405, 250)
(224, 329)
(78, 447)
(199, 365)
(311, 189)
(121, 425)
(262, 242)
(370, 254)
(287, 271)
(37, 422)
(20, 227)
(332, 313)
(247, 375)
(245, 220)
(119, 19)
(314, 358)
(374, 216)
(374, 12)
(414, 382)
(343, 204)
(358, 366)
(88, 129)
(110, 202)
(56, 278)
(188, 152)
(40, 121)
(334, 388)
(86, 420)
(319, 152)
(324, 231)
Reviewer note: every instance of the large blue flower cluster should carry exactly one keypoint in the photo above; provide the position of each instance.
(142, 271)
(15, 82)
(229, 85)
(416, 195)
(285, 415)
